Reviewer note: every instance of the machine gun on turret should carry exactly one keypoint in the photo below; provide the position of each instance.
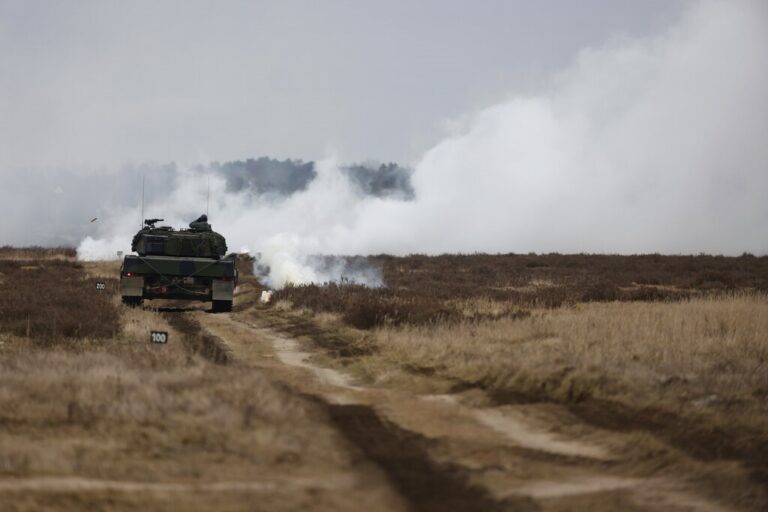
(150, 223)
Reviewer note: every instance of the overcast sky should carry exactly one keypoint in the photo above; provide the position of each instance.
(98, 83)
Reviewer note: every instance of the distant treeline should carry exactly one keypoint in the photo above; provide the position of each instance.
(285, 177)
(54, 207)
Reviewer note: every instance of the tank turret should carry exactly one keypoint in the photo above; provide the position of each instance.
(199, 241)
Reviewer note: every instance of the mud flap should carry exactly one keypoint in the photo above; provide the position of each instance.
(132, 286)
(222, 290)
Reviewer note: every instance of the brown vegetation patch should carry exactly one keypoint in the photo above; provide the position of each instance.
(583, 277)
(53, 299)
(422, 290)
(36, 253)
(366, 308)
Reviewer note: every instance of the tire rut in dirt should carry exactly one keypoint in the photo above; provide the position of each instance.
(197, 340)
(336, 346)
(426, 485)
(698, 440)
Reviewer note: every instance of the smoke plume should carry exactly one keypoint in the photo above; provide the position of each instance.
(655, 144)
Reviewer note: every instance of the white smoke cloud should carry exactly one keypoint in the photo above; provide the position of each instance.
(658, 144)
(285, 235)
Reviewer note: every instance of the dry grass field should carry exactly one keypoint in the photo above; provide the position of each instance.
(422, 289)
(673, 345)
(695, 371)
(468, 383)
(52, 299)
(94, 418)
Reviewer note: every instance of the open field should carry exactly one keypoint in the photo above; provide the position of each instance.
(676, 346)
(694, 372)
(99, 419)
(469, 383)
(52, 299)
(422, 289)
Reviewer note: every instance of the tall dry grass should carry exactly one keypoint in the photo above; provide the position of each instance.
(107, 404)
(704, 354)
(121, 409)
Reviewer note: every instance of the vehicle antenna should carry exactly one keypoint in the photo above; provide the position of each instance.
(141, 220)
(208, 197)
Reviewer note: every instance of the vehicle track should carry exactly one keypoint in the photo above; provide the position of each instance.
(440, 454)
(424, 485)
(197, 340)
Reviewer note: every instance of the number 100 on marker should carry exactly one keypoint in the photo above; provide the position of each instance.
(158, 337)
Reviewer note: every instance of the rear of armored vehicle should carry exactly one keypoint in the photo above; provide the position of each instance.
(181, 278)
(181, 265)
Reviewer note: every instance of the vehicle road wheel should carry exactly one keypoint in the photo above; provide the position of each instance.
(221, 306)
(132, 301)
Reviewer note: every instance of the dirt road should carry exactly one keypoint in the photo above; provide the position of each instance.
(425, 451)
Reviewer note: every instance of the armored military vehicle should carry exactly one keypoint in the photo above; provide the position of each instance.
(186, 264)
